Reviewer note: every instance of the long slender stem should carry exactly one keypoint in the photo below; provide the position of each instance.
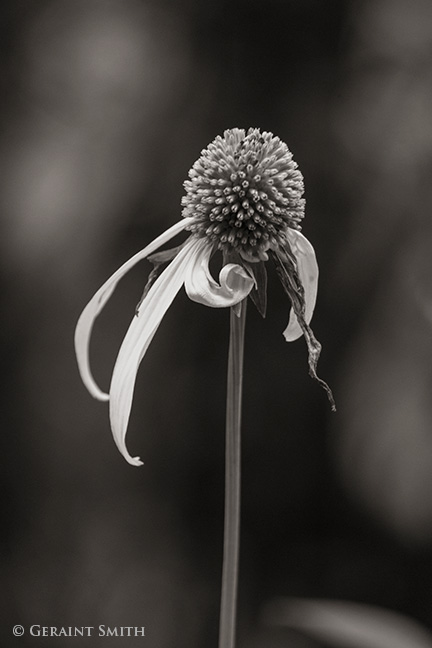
(227, 625)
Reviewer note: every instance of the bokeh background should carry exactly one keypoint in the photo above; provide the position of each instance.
(106, 105)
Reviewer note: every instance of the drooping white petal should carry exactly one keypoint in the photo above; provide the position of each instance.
(91, 311)
(137, 340)
(308, 272)
(234, 282)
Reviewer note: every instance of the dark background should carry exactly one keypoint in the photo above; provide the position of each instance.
(106, 105)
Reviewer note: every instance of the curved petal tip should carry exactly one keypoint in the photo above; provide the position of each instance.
(133, 461)
(234, 285)
(82, 339)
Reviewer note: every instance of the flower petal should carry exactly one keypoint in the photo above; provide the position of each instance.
(297, 269)
(235, 282)
(91, 311)
(308, 272)
(137, 340)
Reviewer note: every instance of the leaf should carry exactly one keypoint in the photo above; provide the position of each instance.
(348, 625)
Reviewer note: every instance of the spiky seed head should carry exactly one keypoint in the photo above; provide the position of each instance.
(244, 192)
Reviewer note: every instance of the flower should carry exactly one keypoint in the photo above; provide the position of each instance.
(243, 198)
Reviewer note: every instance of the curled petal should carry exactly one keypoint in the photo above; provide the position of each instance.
(308, 272)
(137, 340)
(91, 311)
(235, 283)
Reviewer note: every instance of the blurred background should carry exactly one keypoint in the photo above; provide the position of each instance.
(106, 105)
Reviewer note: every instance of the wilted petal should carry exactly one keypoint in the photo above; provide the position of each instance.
(235, 283)
(297, 269)
(308, 272)
(136, 342)
(91, 311)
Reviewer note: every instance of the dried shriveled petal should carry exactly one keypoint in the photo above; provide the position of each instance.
(91, 311)
(297, 269)
(235, 283)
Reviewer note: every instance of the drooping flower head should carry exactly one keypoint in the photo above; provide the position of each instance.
(244, 199)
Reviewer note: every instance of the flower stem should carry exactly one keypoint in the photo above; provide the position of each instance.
(227, 626)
